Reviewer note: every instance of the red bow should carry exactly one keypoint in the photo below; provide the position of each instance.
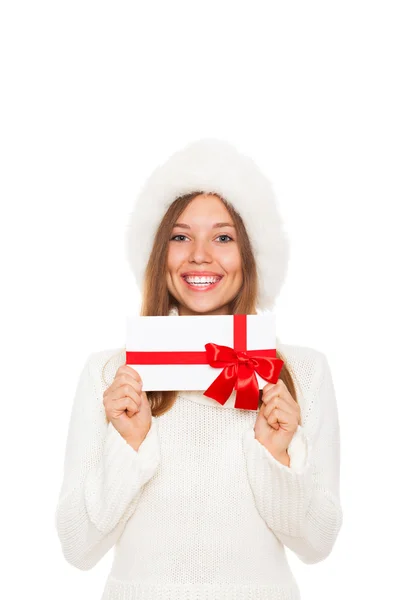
(239, 372)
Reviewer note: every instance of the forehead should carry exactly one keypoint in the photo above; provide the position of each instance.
(206, 206)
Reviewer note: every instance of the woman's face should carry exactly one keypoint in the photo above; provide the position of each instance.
(204, 267)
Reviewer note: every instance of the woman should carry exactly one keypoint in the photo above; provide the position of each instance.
(198, 498)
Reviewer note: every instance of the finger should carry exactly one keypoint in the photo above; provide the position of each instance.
(287, 404)
(283, 417)
(273, 425)
(124, 379)
(284, 404)
(124, 391)
(119, 405)
(275, 397)
(126, 403)
(272, 388)
(279, 382)
(277, 416)
(128, 370)
(275, 392)
(132, 410)
(268, 386)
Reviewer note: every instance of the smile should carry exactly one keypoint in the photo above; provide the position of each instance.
(201, 284)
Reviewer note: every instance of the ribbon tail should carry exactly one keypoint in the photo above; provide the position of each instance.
(247, 392)
(222, 387)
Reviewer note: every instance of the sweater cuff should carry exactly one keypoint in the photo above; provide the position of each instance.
(282, 494)
(118, 478)
(121, 455)
(298, 450)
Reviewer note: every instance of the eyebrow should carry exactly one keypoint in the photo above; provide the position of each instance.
(215, 226)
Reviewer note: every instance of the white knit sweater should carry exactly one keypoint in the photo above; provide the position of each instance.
(202, 510)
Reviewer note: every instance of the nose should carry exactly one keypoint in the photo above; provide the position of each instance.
(200, 252)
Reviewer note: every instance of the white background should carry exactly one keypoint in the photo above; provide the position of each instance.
(94, 95)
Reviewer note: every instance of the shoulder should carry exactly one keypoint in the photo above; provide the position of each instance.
(302, 357)
(312, 378)
(307, 365)
(103, 364)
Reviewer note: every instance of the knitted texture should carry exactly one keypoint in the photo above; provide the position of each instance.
(202, 510)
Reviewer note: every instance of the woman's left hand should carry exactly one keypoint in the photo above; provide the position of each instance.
(277, 419)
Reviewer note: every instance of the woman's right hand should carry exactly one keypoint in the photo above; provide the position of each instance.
(127, 407)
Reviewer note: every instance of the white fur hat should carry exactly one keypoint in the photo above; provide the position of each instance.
(212, 165)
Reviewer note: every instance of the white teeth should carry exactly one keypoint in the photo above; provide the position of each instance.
(201, 280)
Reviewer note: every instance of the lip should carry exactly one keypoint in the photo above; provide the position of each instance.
(200, 274)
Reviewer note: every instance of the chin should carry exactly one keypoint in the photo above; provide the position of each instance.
(205, 308)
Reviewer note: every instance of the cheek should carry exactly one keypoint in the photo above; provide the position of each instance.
(231, 261)
(176, 255)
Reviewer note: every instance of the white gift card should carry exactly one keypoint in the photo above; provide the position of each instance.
(183, 338)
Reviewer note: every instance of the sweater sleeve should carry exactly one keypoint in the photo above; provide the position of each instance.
(103, 477)
(301, 503)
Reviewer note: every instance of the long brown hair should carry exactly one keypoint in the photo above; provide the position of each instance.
(157, 301)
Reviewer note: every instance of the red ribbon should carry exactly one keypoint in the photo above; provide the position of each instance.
(239, 366)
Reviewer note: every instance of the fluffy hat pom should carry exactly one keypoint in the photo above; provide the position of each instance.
(213, 165)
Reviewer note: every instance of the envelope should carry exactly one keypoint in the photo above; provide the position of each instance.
(191, 352)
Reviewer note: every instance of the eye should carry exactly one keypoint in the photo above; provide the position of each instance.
(224, 235)
(180, 235)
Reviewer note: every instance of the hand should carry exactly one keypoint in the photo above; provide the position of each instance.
(127, 407)
(277, 419)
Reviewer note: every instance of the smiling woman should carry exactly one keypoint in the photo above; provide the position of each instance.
(200, 498)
